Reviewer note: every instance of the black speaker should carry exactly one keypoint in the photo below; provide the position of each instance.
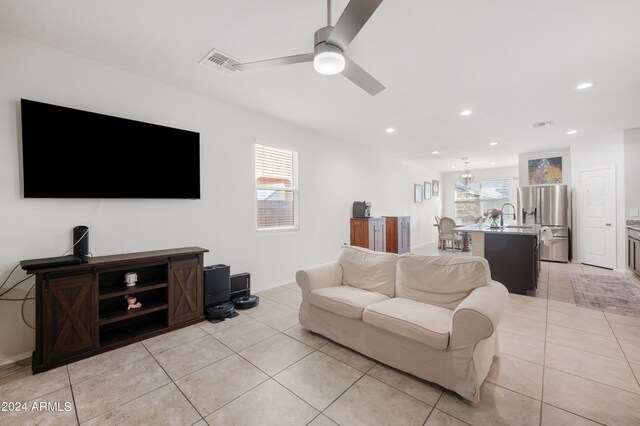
(81, 241)
(240, 285)
(216, 284)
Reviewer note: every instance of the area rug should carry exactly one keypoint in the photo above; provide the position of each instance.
(605, 292)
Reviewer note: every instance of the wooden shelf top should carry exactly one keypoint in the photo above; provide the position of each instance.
(121, 290)
(122, 259)
(123, 314)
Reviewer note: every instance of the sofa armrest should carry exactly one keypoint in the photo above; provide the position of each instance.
(326, 275)
(478, 315)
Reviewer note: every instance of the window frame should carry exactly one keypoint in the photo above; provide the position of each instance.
(481, 201)
(295, 190)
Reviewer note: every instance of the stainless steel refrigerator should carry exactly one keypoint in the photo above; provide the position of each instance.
(550, 207)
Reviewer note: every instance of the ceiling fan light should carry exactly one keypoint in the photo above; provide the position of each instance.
(329, 63)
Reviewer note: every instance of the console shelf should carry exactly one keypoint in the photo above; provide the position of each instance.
(118, 291)
(81, 310)
(123, 314)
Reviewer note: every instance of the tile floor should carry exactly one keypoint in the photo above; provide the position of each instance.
(559, 365)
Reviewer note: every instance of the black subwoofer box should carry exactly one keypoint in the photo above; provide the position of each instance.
(217, 287)
(240, 285)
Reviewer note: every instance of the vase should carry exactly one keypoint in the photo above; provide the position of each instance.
(494, 222)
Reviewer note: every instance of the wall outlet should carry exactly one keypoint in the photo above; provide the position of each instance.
(633, 212)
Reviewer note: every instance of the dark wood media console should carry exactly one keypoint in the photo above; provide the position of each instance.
(81, 310)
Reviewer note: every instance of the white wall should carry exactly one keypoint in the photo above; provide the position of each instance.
(332, 175)
(632, 171)
(450, 179)
(523, 164)
(592, 154)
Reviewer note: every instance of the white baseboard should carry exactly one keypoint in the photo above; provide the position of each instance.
(15, 358)
(417, 246)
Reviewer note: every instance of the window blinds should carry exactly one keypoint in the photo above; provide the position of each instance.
(276, 188)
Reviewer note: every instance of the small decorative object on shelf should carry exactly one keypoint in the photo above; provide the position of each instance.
(130, 279)
(132, 303)
(494, 214)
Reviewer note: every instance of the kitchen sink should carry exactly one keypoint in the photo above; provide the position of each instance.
(517, 227)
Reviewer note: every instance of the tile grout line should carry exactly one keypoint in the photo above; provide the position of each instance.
(338, 397)
(575, 414)
(623, 352)
(104, 372)
(545, 367)
(75, 407)
(544, 346)
(298, 396)
(137, 397)
(439, 409)
(269, 377)
(595, 381)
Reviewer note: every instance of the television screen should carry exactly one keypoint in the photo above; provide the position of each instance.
(69, 153)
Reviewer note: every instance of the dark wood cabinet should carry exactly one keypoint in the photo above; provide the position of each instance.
(185, 290)
(398, 234)
(633, 250)
(69, 316)
(81, 310)
(513, 260)
(369, 233)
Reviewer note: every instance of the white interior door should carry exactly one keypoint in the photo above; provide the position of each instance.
(596, 216)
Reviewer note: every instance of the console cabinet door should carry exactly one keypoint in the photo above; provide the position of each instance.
(185, 290)
(381, 236)
(69, 316)
(636, 256)
(404, 243)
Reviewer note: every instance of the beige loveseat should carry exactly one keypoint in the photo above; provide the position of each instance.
(430, 316)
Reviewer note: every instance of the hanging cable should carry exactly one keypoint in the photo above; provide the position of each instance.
(26, 296)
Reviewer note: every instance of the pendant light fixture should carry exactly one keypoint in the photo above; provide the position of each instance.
(466, 178)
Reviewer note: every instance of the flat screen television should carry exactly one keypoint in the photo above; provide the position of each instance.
(70, 153)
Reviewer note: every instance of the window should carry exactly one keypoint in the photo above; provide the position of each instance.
(276, 188)
(477, 197)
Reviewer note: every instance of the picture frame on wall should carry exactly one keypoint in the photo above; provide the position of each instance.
(427, 190)
(417, 193)
(435, 188)
(544, 171)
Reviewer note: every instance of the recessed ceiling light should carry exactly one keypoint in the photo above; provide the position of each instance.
(466, 112)
(453, 167)
(436, 152)
(390, 130)
(493, 143)
(493, 163)
(572, 132)
(584, 86)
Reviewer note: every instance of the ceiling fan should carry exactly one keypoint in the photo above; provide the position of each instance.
(330, 42)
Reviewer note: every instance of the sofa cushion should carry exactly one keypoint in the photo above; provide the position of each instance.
(368, 270)
(441, 281)
(344, 300)
(425, 323)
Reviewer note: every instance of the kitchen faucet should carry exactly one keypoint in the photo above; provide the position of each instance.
(502, 214)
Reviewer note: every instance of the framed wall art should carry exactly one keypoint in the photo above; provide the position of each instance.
(435, 188)
(427, 190)
(545, 170)
(417, 193)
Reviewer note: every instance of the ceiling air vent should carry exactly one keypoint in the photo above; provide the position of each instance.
(543, 124)
(219, 61)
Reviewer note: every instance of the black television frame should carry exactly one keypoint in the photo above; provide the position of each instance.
(43, 178)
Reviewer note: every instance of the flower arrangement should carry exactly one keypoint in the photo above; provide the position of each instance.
(494, 214)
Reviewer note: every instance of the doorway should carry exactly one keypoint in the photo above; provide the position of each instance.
(597, 217)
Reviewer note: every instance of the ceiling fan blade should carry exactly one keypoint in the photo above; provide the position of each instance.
(287, 60)
(360, 77)
(355, 15)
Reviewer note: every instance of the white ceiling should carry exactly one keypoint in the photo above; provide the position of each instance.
(512, 63)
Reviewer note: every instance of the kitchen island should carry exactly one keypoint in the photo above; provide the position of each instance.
(512, 252)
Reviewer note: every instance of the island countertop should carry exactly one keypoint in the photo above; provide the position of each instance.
(507, 229)
(512, 252)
